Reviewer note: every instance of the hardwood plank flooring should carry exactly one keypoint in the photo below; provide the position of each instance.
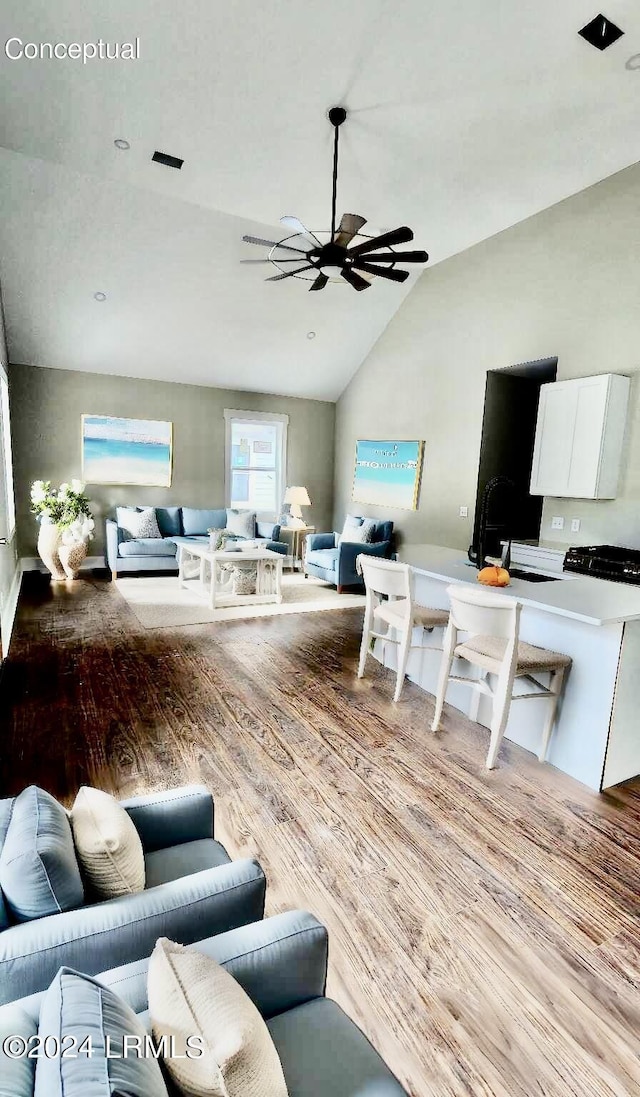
(484, 927)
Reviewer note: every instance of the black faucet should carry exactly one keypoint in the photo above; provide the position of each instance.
(477, 551)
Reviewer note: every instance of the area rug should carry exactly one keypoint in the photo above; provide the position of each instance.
(162, 603)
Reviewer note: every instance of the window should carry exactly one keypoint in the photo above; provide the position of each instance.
(256, 447)
(6, 461)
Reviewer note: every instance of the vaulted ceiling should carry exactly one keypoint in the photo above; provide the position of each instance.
(464, 119)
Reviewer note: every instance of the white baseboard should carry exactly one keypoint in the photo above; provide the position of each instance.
(34, 563)
(9, 611)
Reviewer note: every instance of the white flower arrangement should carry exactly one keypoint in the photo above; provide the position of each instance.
(67, 508)
(81, 529)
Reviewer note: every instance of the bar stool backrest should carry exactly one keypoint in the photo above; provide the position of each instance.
(480, 613)
(388, 577)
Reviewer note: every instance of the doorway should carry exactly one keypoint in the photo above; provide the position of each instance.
(506, 452)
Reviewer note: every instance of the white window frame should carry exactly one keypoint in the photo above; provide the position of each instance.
(7, 490)
(233, 415)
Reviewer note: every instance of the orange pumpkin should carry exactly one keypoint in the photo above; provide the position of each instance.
(494, 577)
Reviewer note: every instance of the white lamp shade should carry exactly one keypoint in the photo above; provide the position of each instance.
(297, 495)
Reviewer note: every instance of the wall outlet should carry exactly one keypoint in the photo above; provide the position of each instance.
(557, 523)
(575, 525)
(464, 512)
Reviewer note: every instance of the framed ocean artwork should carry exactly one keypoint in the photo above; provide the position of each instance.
(126, 451)
(387, 474)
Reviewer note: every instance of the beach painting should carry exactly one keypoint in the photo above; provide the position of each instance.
(126, 451)
(387, 474)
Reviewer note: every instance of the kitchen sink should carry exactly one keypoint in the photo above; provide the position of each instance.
(533, 576)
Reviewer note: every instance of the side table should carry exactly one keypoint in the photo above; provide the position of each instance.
(298, 536)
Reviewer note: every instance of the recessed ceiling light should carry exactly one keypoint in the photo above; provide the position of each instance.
(601, 32)
(120, 143)
(633, 63)
(100, 296)
(311, 335)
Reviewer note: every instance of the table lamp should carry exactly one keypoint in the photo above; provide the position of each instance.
(297, 497)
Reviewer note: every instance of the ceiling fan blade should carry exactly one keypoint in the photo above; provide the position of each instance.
(275, 262)
(271, 244)
(399, 257)
(349, 227)
(382, 272)
(388, 239)
(319, 283)
(296, 225)
(354, 279)
(288, 274)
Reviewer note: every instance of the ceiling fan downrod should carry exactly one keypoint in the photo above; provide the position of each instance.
(337, 115)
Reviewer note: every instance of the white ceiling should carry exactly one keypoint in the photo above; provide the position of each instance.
(466, 118)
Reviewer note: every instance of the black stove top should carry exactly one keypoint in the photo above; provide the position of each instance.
(605, 562)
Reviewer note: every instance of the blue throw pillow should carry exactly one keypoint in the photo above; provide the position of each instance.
(90, 1015)
(197, 522)
(39, 873)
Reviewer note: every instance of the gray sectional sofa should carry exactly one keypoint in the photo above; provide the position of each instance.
(281, 963)
(193, 889)
(127, 555)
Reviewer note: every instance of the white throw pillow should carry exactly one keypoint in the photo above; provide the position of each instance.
(139, 523)
(363, 535)
(192, 995)
(351, 524)
(108, 845)
(241, 522)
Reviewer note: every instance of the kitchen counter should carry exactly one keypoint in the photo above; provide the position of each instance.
(594, 621)
(592, 601)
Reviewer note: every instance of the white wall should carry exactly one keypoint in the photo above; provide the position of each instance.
(565, 282)
(9, 577)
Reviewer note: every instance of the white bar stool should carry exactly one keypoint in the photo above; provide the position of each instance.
(398, 612)
(492, 624)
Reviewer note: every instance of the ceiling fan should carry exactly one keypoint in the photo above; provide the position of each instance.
(333, 258)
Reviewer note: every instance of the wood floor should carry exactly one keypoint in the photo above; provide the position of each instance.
(484, 927)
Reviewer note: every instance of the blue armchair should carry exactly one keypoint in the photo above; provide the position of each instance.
(193, 889)
(281, 963)
(333, 559)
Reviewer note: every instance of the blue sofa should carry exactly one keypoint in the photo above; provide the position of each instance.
(333, 559)
(281, 963)
(126, 554)
(193, 889)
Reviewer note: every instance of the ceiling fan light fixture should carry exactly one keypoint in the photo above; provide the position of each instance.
(335, 260)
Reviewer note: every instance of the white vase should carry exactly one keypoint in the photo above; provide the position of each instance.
(72, 556)
(48, 549)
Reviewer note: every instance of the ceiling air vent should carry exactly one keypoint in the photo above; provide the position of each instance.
(168, 161)
(601, 32)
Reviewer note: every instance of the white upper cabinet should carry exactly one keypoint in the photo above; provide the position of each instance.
(579, 436)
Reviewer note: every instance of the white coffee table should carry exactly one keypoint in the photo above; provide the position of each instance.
(216, 576)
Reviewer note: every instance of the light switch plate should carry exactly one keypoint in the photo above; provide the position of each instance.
(575, 525)
(464, 512)
(557, 523)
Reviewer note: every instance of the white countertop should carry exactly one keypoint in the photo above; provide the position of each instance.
(593, 601)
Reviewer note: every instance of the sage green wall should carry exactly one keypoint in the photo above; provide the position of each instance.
(47, 405)
(565, 282)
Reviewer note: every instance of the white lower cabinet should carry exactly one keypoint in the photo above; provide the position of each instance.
(579, 437)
